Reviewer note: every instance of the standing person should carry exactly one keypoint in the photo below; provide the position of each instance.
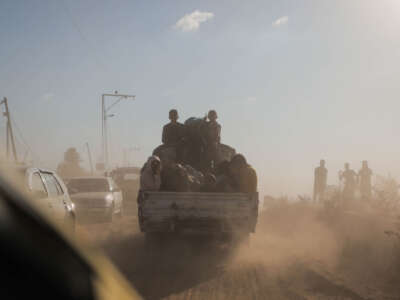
(173, 134)
(364, 180)
(350, 182)
(212, 139)
(320, 179)
(150, 175)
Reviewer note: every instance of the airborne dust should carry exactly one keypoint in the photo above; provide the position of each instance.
(298, 252)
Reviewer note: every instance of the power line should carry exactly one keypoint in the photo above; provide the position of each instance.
(24, 142)
(83, 36)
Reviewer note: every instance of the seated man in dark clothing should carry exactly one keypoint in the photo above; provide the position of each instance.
(173, 134)
(244, 176)
(224, 183)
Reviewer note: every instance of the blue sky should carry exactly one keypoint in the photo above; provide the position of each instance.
(320, 83)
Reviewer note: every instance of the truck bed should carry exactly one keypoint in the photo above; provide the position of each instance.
(197, 212)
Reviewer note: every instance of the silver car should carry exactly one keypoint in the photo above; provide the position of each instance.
(95, 198)
(50, 194)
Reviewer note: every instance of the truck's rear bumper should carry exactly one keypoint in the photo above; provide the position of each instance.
(196, 226)
(197, 212)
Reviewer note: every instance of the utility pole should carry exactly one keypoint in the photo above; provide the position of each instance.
(104, 117)
(90, 158)
(10, 134)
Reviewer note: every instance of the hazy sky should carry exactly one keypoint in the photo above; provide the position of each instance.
(292, 81)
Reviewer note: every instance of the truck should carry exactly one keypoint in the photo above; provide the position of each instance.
(228, 217)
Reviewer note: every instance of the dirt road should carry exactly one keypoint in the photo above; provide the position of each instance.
(297, 253)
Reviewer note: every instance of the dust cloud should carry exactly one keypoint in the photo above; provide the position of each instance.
(298, 252)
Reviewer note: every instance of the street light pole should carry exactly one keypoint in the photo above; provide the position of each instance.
(10, 135)
(104, 116)
(90, 158)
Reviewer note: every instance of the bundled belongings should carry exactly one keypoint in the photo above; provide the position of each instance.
(193, 159)
(244, 176)
(166, 153)
(174, 178)
(195, 142)
(196, 178)
(150, 175)
(210, 184)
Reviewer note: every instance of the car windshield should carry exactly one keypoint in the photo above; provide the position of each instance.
(87, 185)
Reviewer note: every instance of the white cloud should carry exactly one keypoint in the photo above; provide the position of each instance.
(191, 22)
(281, 21)
(251, 99)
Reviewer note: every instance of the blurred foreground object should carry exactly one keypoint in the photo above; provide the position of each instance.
(40, 262)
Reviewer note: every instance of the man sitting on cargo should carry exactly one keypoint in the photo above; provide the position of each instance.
(225, 183)
(173, 134)
(244, 176)
(150, 175)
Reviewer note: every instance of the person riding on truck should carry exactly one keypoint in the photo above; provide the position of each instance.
(244, 176)
(212, 139)
(150, 175)
(173, 134)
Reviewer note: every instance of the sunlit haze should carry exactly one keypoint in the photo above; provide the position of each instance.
(293, 82)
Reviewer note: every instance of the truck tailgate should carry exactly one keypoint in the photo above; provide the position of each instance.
(197, 212)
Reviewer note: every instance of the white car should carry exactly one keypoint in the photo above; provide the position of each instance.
(50, 194)
(95, 198)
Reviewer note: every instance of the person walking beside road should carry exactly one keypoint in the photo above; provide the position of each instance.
(320, 179)
(212, 139)
(350, 183)
(173, 134)
(364, 181)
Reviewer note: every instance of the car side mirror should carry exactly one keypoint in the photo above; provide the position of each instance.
(39, 194)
